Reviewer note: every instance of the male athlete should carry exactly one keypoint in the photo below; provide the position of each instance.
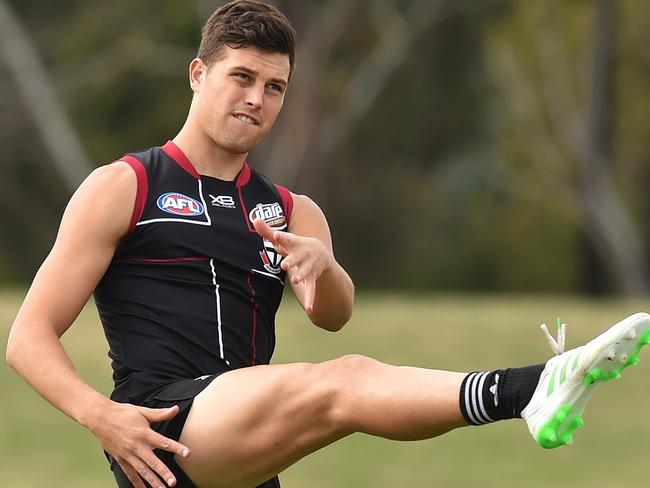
(187, 248)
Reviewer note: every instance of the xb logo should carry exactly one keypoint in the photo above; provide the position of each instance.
(225, 201)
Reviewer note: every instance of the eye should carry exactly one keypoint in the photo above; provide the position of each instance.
(274, 87)
(242, 76)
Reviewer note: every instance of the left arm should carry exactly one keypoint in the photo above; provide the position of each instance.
(320, 284)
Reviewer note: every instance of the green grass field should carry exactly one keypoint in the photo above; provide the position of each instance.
(41, 447)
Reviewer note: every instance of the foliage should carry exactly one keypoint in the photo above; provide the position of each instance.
(433, 168)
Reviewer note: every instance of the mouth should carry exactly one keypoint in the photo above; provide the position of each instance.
(245, 118)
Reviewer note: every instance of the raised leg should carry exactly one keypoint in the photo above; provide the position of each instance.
(250, 424)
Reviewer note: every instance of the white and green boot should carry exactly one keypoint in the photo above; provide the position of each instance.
(568, 380)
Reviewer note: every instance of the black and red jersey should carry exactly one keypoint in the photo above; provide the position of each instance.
(193, 289)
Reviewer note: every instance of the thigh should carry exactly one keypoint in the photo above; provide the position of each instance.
(181, 393)
(250, 424)
(182, 480)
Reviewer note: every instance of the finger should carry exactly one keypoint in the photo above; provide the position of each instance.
(310, 293)
(159, 414)
(302, 273)
(159, 441)
(289, 262)
(130, 473)
(160, 468)
(284, 239)
(145, 472)
(263, 229)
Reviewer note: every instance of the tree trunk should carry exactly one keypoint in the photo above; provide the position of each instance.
(609, 226)
(40, 99)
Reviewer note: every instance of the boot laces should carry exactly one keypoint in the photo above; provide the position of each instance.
(557, 345)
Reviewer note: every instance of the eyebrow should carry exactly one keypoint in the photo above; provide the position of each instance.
(279, 81)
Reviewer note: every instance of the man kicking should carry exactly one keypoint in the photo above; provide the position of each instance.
(187, 249)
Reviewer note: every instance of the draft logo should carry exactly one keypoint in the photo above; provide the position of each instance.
(179, 204)
(272, 214)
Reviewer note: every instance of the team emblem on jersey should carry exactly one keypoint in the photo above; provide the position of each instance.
(271, 213)
(179, 204)
(271, 258)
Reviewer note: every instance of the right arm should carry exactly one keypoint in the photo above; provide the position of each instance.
(96, 219)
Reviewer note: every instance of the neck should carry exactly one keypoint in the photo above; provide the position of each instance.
(207, 157)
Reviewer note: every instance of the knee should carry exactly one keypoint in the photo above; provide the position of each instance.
(336, 377)
(348, 377)
(352, 364)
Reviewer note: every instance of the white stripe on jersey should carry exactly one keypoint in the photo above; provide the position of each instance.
(268, 274)
(218, 299)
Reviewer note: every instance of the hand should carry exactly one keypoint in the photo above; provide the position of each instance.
(306, 257)
(125, 433)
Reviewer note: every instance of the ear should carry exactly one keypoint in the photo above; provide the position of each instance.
(198, 70)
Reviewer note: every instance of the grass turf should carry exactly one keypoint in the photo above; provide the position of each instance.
(41, 447)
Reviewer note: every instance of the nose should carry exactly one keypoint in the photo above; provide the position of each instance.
(255, 96)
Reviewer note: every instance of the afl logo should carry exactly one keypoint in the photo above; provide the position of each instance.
(179, 204)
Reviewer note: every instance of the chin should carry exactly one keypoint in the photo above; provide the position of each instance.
(237, 146)
(234, 147)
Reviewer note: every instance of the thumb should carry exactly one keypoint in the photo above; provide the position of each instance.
(264, 230)
(159, 414)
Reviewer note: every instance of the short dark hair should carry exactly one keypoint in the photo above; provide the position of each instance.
(244, 23)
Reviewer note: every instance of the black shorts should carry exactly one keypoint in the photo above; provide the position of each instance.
(181, 393)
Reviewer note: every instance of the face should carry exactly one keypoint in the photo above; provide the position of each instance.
(238, 97)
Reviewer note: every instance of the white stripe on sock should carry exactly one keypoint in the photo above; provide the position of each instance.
(475, 397)
(467, 400)
(480, 397)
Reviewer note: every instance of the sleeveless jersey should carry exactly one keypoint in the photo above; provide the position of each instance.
(193, 289)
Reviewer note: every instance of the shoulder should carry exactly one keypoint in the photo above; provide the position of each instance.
(114, 181)
(105, 197)
(308, 218)
(118, 172)
(304, 204)
(107, 182)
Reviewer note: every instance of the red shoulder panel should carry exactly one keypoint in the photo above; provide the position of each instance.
(142, 189)
(287, 201)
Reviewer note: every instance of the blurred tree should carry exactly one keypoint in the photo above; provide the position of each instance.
(39, 97)
(569, 142)
(90, 71)
(454, 144)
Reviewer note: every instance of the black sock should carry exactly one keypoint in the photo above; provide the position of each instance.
(489, 396)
